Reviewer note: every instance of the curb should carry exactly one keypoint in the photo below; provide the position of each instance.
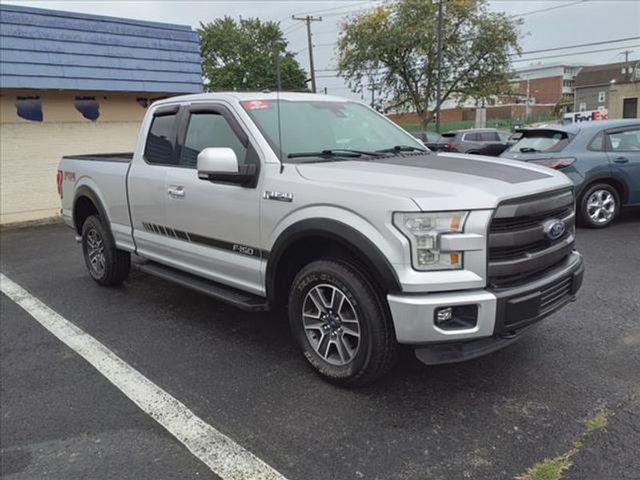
(57, 219)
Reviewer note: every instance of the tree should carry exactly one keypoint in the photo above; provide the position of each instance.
(395, 46)
(241, 56)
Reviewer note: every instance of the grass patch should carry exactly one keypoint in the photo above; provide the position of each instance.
(550, 469)
(599, 422)
(554, 468)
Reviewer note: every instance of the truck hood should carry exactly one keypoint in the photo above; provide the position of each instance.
(442, 181)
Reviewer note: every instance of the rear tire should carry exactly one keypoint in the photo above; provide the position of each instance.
(341, 324)
(106, 264)
(599, 206)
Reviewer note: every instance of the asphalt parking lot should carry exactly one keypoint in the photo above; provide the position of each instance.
(490, 418)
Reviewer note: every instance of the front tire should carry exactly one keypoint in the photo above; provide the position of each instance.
(341, 324)
(599, 206)
(106, 264)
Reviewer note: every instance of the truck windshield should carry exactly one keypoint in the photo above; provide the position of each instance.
(321, 126)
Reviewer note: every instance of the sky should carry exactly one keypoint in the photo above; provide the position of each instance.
(561, 23)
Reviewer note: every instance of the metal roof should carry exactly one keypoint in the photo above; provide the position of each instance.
(50, 49)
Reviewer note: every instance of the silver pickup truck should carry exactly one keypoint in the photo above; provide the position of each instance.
(321, 204)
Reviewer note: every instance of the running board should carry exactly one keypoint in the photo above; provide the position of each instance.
(238, 298)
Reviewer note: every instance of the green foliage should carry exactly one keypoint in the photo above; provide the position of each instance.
(563, 105)
(240, 55)
(395, 45)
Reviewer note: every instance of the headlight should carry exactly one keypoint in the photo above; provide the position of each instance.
(423, 231)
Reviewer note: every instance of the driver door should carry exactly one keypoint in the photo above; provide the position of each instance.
(216, 224)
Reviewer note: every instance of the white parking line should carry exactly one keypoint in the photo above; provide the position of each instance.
(222, 455)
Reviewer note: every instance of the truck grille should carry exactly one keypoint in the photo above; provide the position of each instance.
(519, 248)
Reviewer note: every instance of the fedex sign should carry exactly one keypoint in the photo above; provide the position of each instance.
(576, 117)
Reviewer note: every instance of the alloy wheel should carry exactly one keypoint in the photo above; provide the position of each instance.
(95, 252)
(601, 206)
(331, 324)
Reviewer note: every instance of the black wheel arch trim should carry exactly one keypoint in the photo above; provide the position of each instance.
(334, 230)
(85, 191)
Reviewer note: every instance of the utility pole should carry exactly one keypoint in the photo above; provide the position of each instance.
(626, 53)
(308, 19)
(439, 85)
(372, 87)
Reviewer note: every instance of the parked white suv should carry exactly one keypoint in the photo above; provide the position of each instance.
(322, 204)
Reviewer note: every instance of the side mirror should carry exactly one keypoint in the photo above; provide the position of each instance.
(220, 165)
(217, 160)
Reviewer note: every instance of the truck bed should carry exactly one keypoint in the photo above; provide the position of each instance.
(103, 157)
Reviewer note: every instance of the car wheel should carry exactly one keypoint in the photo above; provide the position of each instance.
(341, 324)
(599, 206)
(106, 264)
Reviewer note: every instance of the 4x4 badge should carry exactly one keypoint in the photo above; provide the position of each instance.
(279, 196)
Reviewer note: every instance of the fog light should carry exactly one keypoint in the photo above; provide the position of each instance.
(459, 317)
(443, 315)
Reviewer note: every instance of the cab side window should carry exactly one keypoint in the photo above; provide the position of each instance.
(160, 145)
(209, 129)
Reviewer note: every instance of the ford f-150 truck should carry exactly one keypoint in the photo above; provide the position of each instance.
(322, 205)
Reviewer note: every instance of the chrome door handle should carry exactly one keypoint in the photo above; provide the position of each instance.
(621, 160)
(176, 191)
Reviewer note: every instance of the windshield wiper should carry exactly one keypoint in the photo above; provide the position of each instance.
(529, 150)
(402, 148)
(334, 153)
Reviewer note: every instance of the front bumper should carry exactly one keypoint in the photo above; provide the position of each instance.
(503, 315)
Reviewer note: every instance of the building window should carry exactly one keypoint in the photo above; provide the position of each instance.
(29, 108)
(583, 107)
(88, 107)
(602, 96)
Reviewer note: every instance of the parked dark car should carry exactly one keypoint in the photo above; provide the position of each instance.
(480, 141)
(602, 158)
(431, 140)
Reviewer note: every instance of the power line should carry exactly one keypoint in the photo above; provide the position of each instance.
(547, 9)
(520, 60)
(290, 30)
(331, 9)
(604, 42)
(567, 47)
(572, 54)
(529, 52)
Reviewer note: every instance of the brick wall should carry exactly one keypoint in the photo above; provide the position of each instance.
(544, 90)
(30, 151)
(29, 157)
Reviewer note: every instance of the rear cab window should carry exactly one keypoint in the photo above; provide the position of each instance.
(548, 141)
(160, 146)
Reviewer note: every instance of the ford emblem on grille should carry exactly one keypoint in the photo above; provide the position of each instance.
(554, 228)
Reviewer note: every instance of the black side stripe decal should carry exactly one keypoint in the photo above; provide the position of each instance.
(202, 240)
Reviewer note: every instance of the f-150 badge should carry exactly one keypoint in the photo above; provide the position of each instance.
(279, 196)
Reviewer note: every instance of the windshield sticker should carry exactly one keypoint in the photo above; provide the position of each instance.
(256, 104)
